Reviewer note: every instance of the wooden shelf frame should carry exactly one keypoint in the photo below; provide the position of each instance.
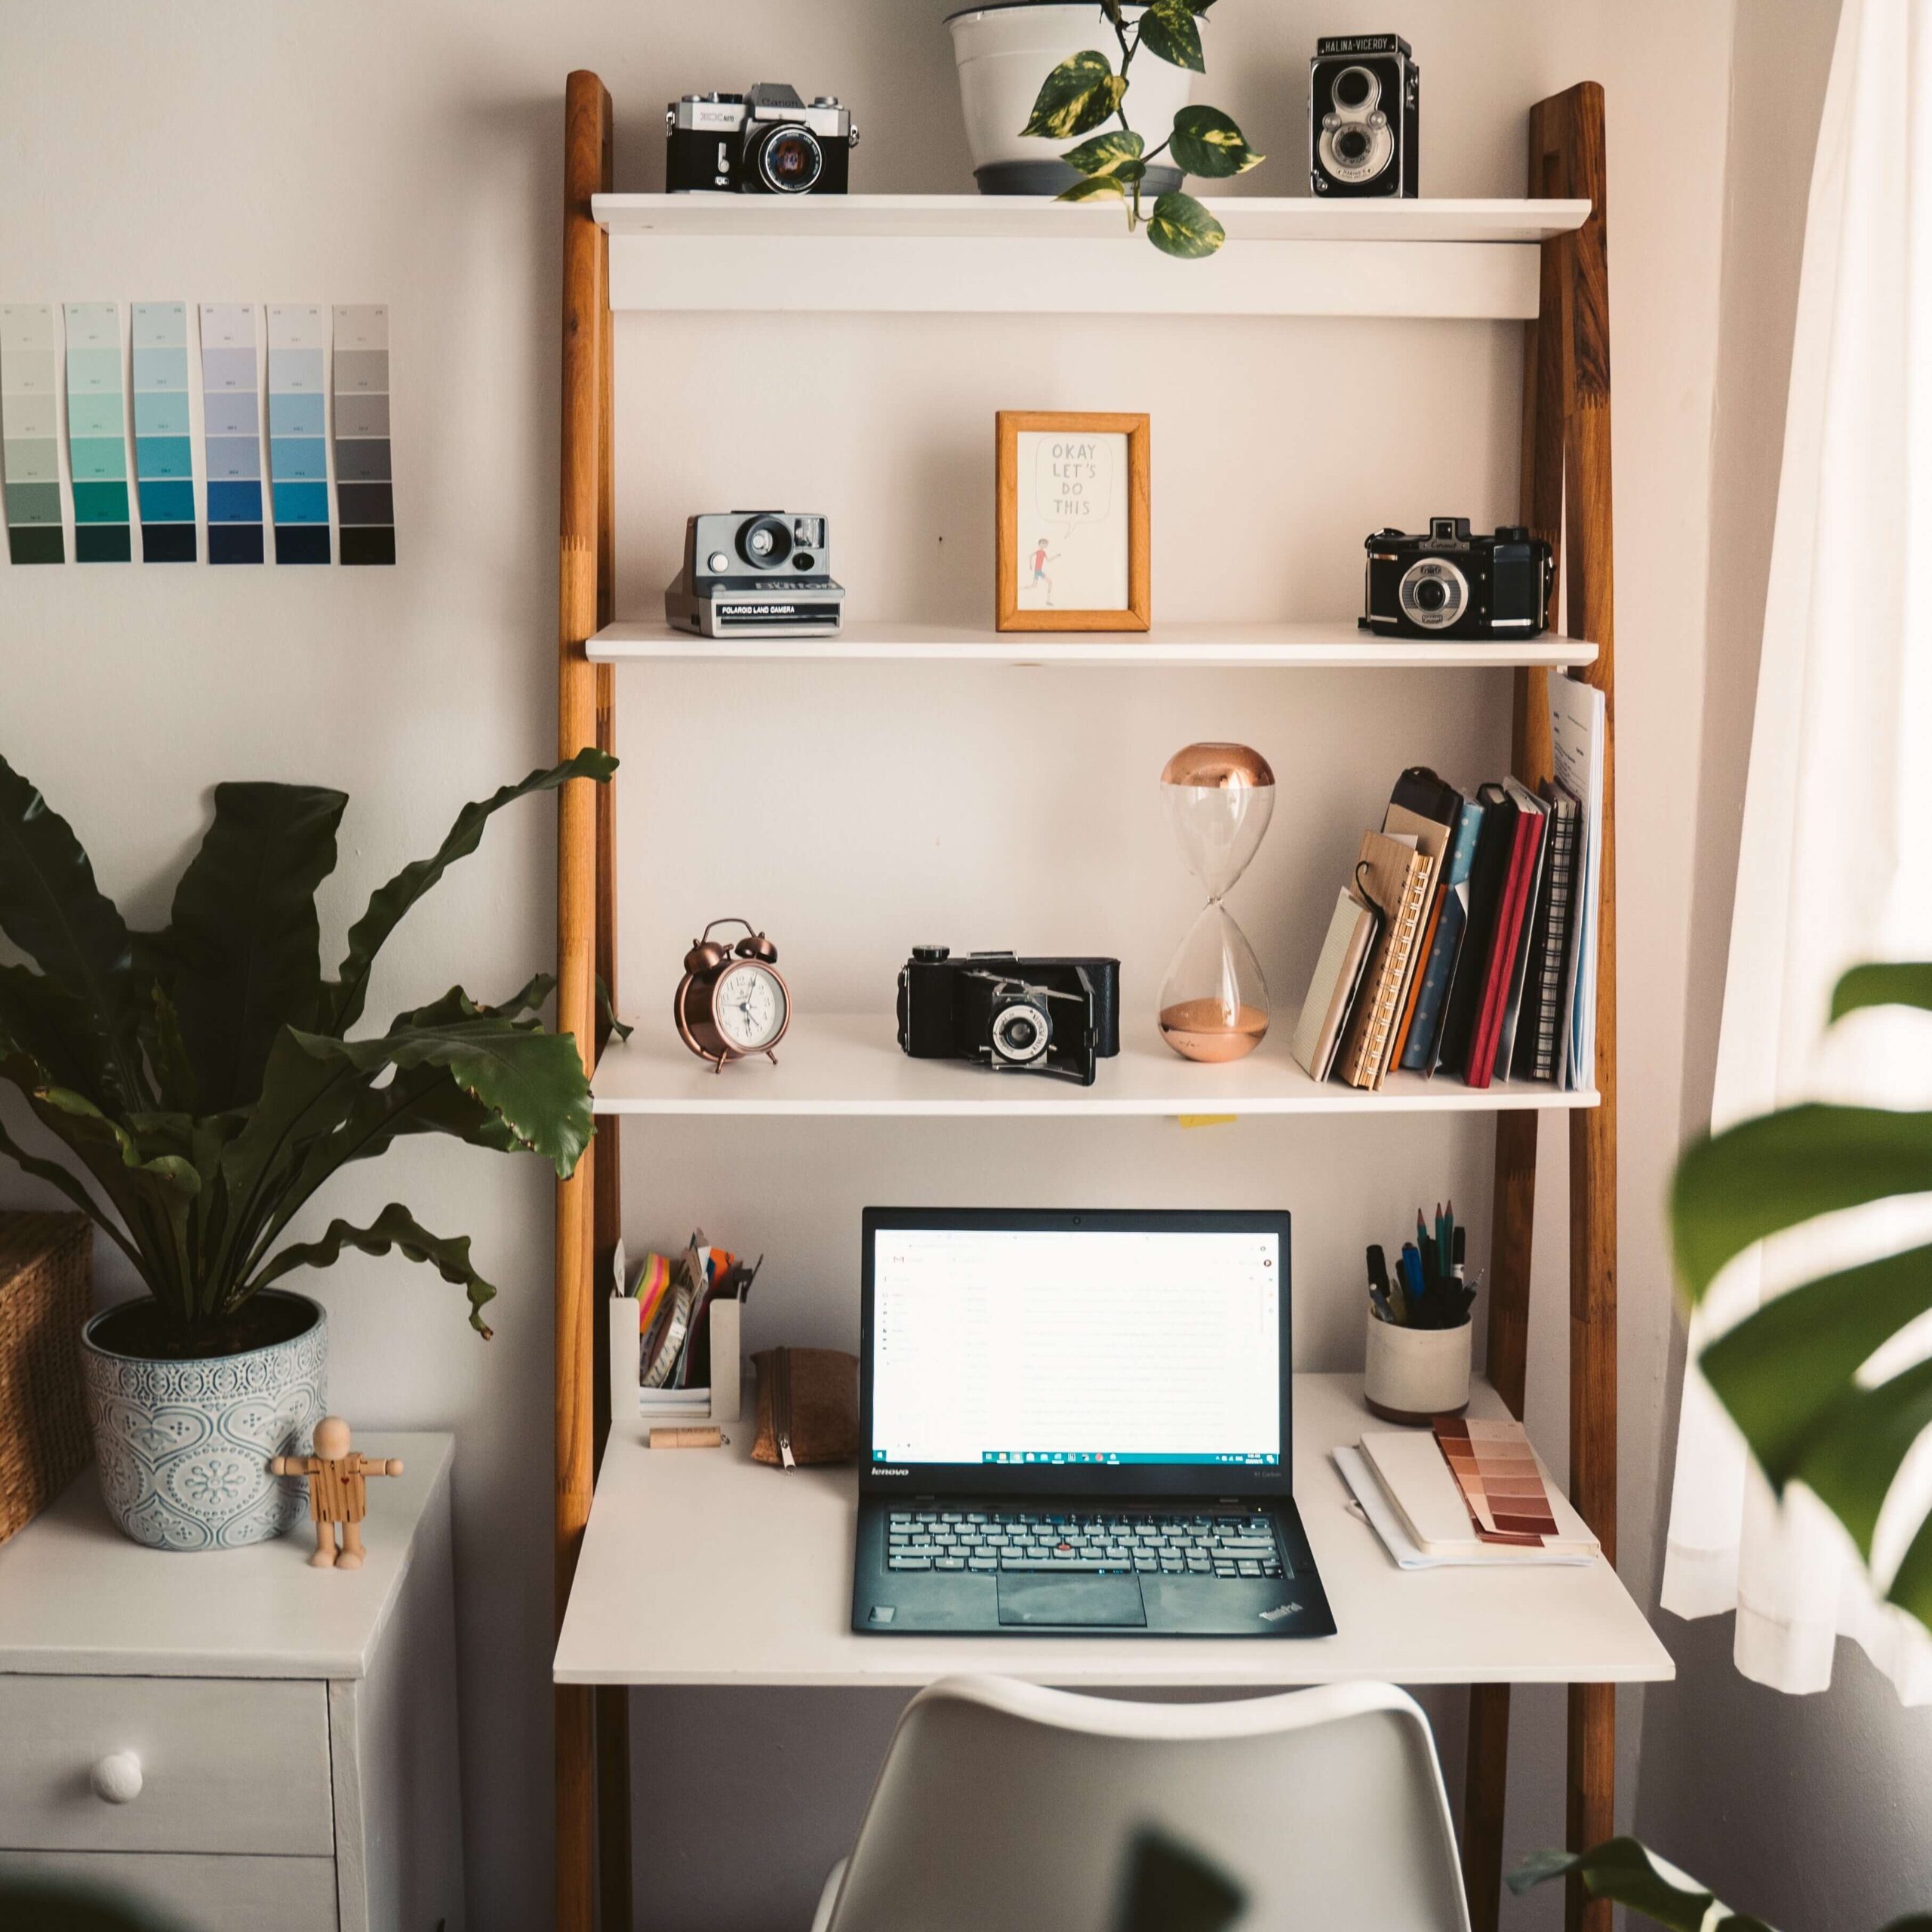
(1544, 261)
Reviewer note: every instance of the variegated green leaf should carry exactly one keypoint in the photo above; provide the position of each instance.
(1181, 226)
(1076, 97)
(1095, 188)
(1105, 152)
(1208, 143)
(1168, 31)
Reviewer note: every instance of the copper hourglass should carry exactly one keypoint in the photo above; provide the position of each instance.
(1214, 1001)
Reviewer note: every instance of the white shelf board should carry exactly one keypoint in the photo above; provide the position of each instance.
(702, 1566)
(1195, 646)
(974, 254)
(850, 1064)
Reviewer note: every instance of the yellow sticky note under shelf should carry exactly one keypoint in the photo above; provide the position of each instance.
(1207, 1120)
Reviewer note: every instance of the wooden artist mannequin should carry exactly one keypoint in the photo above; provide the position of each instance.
(337, 1491)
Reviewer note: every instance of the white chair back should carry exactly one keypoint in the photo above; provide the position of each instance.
(1003, 1807)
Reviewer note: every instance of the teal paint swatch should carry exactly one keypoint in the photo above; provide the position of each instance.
(29, 436)
(298, 465)
(365, 499)
(232, 423)
(164, 451)
(96, 436)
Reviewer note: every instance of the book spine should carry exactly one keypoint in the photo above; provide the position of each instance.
(1555, 945)
(1370, 1063)
(1502, 959)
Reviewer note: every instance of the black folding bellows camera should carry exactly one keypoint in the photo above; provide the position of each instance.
(1450, 584)
(1057, 1017)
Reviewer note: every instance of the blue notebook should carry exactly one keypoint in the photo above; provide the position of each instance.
(1451, 923)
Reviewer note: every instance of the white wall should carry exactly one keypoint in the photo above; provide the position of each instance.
(411, 154)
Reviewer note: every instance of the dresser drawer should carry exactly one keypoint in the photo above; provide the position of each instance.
(224, 1765)
(212, 1894)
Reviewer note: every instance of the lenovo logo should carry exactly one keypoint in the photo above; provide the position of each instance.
(877, 1472)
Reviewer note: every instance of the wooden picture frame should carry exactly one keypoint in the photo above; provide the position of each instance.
(1111, 476)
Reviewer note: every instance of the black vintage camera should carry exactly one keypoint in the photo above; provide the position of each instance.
(1450, 584)
(767, 142)
(1056, 1016)
(1363, 92)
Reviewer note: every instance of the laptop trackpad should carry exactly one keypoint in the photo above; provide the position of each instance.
(1063, 1600)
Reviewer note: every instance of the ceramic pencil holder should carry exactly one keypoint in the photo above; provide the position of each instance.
(1414, 1374)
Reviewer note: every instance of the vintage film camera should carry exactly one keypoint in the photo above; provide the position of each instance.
(1362, 94)
(755, 573)
(1450, 584)
(766, 142)
(1056, 1016)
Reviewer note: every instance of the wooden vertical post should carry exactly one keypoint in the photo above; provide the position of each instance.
(1565, 496)
(587, 169)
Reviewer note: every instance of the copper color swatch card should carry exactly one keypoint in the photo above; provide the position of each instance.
(364, 489)
(1496, 1471)
(30, 426)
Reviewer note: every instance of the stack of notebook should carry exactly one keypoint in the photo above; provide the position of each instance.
(1463, 939)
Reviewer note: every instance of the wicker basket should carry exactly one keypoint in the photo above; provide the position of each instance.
(46, 1269)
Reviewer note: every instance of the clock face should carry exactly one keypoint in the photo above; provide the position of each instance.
(748, 1007)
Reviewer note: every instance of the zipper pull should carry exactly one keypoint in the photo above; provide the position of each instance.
(781, 1420)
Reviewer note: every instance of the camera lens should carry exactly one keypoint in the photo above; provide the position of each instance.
(803, 560)
(790, 160)
(1356, 87)
(765, 542)
(1351, 144)
(1432, 594)
(1019, 1034)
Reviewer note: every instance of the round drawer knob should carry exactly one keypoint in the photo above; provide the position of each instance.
(117, 1778)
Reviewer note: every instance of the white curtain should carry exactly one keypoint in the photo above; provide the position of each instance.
(1836, 860)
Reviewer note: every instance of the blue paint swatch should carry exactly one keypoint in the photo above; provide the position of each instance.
(232, 426)
(96, 434)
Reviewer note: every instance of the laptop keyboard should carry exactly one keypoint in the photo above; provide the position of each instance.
(1154, 1542)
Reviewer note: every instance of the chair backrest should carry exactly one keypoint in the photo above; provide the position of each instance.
(1003, 1807)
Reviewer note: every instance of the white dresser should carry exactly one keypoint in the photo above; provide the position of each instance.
(232, 1736)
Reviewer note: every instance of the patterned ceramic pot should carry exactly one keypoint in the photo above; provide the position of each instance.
(183, 1446)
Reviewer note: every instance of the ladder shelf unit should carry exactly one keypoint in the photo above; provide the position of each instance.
(1541, 261)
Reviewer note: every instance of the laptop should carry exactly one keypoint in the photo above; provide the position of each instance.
(1078, 1423)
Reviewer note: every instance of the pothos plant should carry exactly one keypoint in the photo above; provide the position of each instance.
(202, 1081)
(1085, 91)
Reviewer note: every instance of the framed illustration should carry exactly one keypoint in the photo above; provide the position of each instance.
(1072, 517)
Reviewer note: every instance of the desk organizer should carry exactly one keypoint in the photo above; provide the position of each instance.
(630, 1400)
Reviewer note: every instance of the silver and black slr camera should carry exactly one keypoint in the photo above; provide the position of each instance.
(755, 573)
(1056, 1016)
(1363, 93)
(1450, 584)
(767, 142)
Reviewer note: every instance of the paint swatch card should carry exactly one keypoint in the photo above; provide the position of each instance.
(30, 431)
(163, 446)
(231, 431)
(298, 448)
(365, 487)
(97, 434)
(1501, 1483)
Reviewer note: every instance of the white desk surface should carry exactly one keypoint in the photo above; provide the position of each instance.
(79, 1598)
(702, 1567)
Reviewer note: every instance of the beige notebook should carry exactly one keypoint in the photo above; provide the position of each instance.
(1337, 973)
(1395, 874)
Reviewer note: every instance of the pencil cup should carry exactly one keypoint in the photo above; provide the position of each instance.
(1414, 1374)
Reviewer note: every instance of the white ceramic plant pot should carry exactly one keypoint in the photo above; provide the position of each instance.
(183, 1446)
(1414, 1374)
(1005, 52)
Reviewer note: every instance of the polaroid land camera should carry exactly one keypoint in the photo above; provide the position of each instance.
(1056, 1016)
(755, 573)
(1362, 94)
(1450, 584)
(767, 142)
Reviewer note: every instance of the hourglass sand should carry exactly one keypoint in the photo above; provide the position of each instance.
(1214, 1000)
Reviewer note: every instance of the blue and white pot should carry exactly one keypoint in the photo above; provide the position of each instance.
(183, 1446)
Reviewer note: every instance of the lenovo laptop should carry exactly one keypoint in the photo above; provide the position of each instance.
(1079, 1423)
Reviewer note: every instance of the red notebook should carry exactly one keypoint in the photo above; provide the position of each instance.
(1511, 909)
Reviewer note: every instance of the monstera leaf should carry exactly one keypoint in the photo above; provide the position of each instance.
(1790, 1373)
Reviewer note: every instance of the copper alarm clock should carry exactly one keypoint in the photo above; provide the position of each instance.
(731, 1004)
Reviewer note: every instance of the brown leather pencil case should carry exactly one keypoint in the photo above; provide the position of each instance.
(807, 1406)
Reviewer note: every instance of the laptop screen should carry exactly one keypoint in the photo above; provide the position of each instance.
(1118, 1352)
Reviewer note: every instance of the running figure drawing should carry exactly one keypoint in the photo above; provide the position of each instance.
(1041, 560)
